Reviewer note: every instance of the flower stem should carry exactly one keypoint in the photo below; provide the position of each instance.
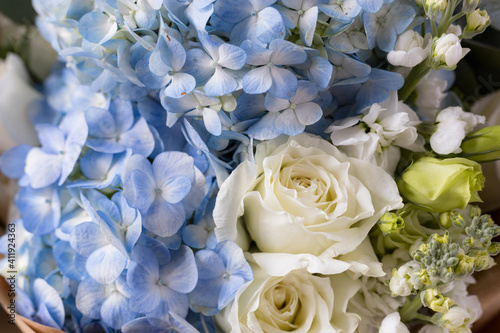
(409, 310)
(416, 74)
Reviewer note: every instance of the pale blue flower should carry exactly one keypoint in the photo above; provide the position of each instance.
(269, 75)
(216, 68)
(61, 146)
(113, 131)
(166, 192)
(383, 27)
(254, 20)
(160, 281)
(40, 209)
(222, 271)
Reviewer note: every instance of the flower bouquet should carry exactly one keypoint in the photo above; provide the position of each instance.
(248, 166)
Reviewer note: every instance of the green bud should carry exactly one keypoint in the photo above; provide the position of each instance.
(445, 239)
(494, 249)
(445, 219)
(482, 260)
(468, 6)
(434, 7)
(434, 300)
(482, 145)
(391, 223)
(477, 22)
(442, 185)
(465, 265)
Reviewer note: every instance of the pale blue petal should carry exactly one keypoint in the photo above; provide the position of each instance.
(269, 25)
(86, 238)
(234, 259)
(212, 121)
(47, 297)
(138, 138)
(307, 25)
(284, 83)
(95, 165)
(231, 57)
(180, 274)
(275, 104)
(139, 162)
(65, 257)
(228, 290)
(221, 83)
(180, 85)
(183, 104)
(306, 92)
(51, 138)
(210, 265)
(199, 65)
(148, 78)
(286, 53)
(258, 80)
(89, 298)
(176, 189)
(256, 55)
(152, 111)
(40, 209)
(139, 190)
(170, 165)
(141, 325)
(195, 236)
(42, 169)
(287, 123)
(162, 218)
(371, 6)
(320, 71)
(122, 113)
(115, 311)
(12, 161)
(96, 27)
(265, 128)
(308, 113)
(100, 122)
(233, 11)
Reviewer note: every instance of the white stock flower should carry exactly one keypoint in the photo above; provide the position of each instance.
(306, 205)
(430, 93)
(392, 324)
(377, 136)
(410, 50)
(447, 52)
(298, 302)
(15, 97)
(453, 125)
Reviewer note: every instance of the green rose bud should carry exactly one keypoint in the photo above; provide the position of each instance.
(442, 185)
(482, 145)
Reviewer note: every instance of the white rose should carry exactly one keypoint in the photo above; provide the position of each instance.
(15, 97)
(410, 49)
(298, 302)
(447, 52)
(305, 202)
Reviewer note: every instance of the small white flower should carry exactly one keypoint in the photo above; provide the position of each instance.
(453, 126)
(447, 52)
(392, 324)
(377, 136)
(430, 94)
(410, 50)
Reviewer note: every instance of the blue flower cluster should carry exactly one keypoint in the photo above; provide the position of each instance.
(157, 102)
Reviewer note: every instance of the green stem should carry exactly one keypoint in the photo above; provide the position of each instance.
(409, 310)
(423, 318)
(416, 74)
(446, 18)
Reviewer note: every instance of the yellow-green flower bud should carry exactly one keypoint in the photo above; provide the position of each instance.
(455, 319)
(442, 185)
(445, 219)
(435, 301)
(468, 6)
(482, 260)
(434, 7)
(465, 265)
(477, 22)
(482, 145)
(442, 239)
(391, 223)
